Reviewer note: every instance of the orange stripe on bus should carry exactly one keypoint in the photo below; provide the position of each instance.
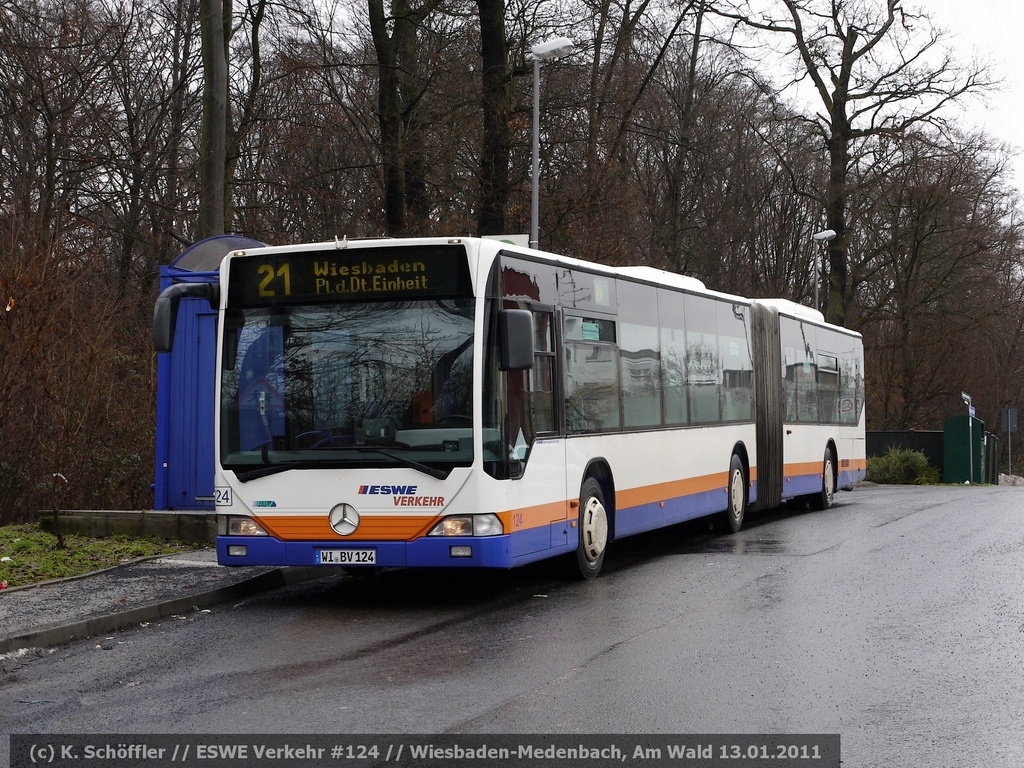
(651, 494)
(814, 467)
(400, 527)
(536, 516)
(409, 527)
(803, 468)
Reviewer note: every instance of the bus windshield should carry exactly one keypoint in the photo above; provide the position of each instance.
(348, 384)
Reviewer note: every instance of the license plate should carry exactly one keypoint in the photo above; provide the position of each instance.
(346, 557)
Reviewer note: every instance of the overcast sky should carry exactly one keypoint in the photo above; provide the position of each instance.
(992, 30)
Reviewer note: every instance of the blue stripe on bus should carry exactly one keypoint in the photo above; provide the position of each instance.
(508, 550)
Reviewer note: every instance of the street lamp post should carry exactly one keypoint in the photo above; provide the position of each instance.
(546, 51)
(824, 236)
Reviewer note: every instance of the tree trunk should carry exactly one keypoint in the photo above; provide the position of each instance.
(389, 114)
(839, 160)
(497, 139)
(213, 163)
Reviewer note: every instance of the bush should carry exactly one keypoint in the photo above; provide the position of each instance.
(901, 466)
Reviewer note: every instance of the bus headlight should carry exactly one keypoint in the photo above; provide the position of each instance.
(240, 526)
(487, 525)
(468, 525)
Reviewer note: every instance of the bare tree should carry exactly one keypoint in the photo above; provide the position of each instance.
(224, 132)
(82, 134)
(397, 94)
(634, 48)
(877, 69)
(937, 278)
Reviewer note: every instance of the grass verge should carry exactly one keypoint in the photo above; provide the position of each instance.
(29, 555)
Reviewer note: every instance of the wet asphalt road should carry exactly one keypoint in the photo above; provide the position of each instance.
(896, 619)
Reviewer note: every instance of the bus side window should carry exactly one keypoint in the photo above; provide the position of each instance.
(639, 355)
(542, 376)
(591, 375)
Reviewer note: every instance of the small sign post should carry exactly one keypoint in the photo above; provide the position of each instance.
(970, 432)
(1009, 427)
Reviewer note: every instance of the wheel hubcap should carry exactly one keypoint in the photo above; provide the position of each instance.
(594, 529)
(736, 494)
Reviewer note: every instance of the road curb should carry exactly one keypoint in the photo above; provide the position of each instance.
(97, 625)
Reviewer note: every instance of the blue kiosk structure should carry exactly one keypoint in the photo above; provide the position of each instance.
(185, 388)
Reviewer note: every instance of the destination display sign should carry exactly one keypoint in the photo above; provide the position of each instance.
(367, 274)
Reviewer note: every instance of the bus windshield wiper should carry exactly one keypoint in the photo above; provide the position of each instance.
(440, 474)
(245, 476)
(269, 469)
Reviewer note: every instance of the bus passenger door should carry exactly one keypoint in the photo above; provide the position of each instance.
(537, 451)
(523, 409)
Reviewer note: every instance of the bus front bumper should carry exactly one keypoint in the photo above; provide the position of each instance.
(440, 551)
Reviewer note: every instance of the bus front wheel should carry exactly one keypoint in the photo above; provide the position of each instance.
(593, 526)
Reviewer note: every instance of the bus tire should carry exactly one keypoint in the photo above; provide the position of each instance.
(731, 520)
(593, 529)
(825, 498)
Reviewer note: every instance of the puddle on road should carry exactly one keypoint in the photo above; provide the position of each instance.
(693, 538)
(736, 546)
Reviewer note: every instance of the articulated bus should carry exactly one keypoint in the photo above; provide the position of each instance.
(468, 402)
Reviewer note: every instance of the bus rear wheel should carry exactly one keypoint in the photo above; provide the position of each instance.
(827, 496)
(731, 519)
(593, 528)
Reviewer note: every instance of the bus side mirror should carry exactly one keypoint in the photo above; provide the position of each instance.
(165, 314)
(515, 337)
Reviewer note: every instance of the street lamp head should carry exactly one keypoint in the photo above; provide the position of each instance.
(544, 51)
(551, 49)
(824, 236)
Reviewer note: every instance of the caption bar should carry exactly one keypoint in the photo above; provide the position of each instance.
(418, 751)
